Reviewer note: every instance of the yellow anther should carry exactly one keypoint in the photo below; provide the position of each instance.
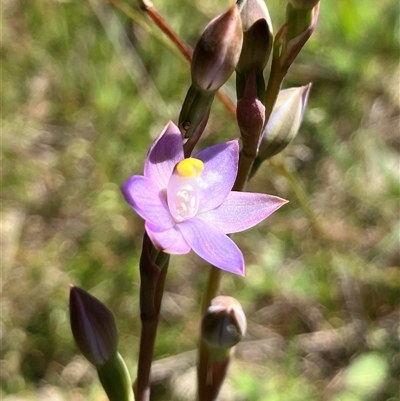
(190, 167)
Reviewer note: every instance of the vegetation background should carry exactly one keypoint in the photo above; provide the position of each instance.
(85, 90)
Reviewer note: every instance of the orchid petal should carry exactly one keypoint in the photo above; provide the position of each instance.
(166, 151)
(147, 201)
(212, 245)
(169, 241)
(242, 210)
(219, 174)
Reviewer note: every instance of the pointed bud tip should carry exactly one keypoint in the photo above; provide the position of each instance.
(284, 123)
(217, 52)
(93, 327)
(257, 36)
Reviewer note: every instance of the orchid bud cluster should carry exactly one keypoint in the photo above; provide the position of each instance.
(195, 202)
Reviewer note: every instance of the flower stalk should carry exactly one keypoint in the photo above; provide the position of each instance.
(153, 272)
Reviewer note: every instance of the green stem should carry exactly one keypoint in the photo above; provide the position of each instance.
(275, 80)
(245, 164)
(212, 288)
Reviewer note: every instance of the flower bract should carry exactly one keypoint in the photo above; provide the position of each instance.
(188, 203)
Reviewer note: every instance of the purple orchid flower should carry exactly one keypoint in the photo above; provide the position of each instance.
(188, 203)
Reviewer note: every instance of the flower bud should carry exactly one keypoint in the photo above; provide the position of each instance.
(284, 122)
(250, 116)
(217, 51)
(224, 323)
(299, 26)
(298, 20)
(93, 327)
(257, 36)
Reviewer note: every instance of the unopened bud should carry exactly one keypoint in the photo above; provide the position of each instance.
(224, 323)
(300, 24)
(93, 327)
(284, 122)
(250, 116)
(257, 36)
(298, 20)
(217, 51)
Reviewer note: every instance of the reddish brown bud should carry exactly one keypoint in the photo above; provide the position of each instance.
(217, 51)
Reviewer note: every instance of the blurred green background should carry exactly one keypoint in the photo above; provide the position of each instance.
(85, 91)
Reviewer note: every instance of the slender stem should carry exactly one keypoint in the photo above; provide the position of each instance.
(245, 163)
(137, 18)
(212, 288)
(204, 362)
(153, 272)
(185, 49)
(275, 79)
(203, 365)
(147, 341)
(163, 261)
(273, 88)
